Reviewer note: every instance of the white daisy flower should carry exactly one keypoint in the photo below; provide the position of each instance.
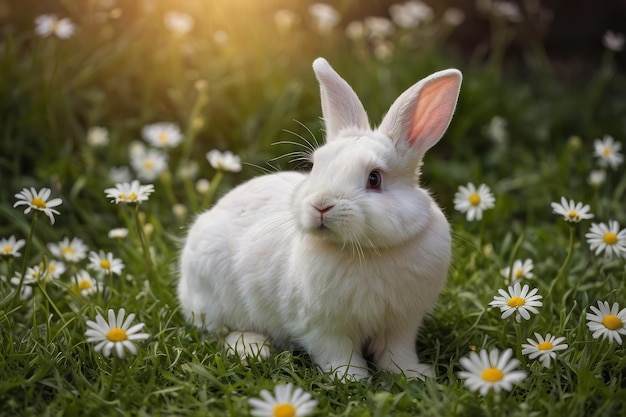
(544, 348)
(521, 269)
(325, 17)
(285, 20)
(120, 174)
(607, 322)
(104, 263)
(608, 239)
(149, 164)
(11, 246)
(178, 23)
(378, 28)
(507, 10)
(53, 269)
(571, 211)
(607, 151)
(613, 41)
(33, 275)
(73, 250)
(226, 161)
(355, 30)
(162, 135)
(453, 16)
(597, 177)
(116, 336)
(486, 371)
(285, 402)
(98, 136)
(473, 201)
(518, 300)
(84, 284)
(410, 14)
(48, 24)
(38, 200)
(118, 233)
(131, 193)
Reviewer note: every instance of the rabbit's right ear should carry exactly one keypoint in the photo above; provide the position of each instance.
(341, 107)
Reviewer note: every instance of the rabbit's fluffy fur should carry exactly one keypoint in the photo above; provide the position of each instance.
(343, 261)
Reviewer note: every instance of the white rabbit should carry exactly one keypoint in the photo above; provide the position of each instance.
(344, 261)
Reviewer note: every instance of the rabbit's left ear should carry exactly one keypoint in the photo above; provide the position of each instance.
(421, 115)
(341, 107)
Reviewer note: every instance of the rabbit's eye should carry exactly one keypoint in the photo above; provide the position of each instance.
(374, 180)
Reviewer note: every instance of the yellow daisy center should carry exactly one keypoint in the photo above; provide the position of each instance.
(7, 249)
(610, 238)
(612, 322)
(105, 264)
(573, 214)
(68, 250)
(474, 199)
(149, 165)
(545, 345)
(516, 302)
(519, 272)
(492, 375)
(284, 410)
(39, 203)
(117, 334)
(606, 152)
(84, 284)
(162, 137)
(132, 196)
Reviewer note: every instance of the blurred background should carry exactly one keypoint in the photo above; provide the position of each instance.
(540, 78)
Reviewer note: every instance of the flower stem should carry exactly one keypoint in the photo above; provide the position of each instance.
(570, 250)
(142, 238)
(114, 366)
(29, 241)
(215, 182)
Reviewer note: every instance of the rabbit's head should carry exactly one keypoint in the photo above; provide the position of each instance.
(363, 188)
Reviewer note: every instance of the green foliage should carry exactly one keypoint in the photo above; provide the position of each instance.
(252, 94)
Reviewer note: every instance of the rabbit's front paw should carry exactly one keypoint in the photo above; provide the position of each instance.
(247, 345)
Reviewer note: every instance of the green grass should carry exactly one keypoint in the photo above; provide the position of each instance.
(125, 72)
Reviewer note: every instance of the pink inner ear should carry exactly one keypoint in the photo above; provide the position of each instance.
(433, 111)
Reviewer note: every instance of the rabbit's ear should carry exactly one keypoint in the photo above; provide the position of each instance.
(341, 108)
(421, 115)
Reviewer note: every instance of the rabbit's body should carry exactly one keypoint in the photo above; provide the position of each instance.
(343, 261)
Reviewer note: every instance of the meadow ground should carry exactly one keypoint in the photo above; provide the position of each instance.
(106, 92)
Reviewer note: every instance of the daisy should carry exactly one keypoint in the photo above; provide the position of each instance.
(116, 335)
(543, 348)
(285, 20)
(70, 251)
(38, 200)
(521, 269)
(490, 371)
(607, 322)
(149, 163)
(98, 136)
(226, 161)
(285, 402)
(325, 17)
(52, 270)
(597, 177)
(118, 233)
(518, 300)
(472, 201)
(132, 193)
(453, 16)
(11, 246)
(613, 41)
(572, 212)
(178, 23)
(120, 174)
(607, 151)
(48, 24)
(410, 14)
(162, 135)
(105, 263)
(84, 284)
(609, 239)
(33, 275)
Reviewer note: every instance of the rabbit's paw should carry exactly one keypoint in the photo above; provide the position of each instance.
(247, 345)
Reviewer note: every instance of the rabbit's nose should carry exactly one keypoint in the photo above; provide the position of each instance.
(323, 209)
